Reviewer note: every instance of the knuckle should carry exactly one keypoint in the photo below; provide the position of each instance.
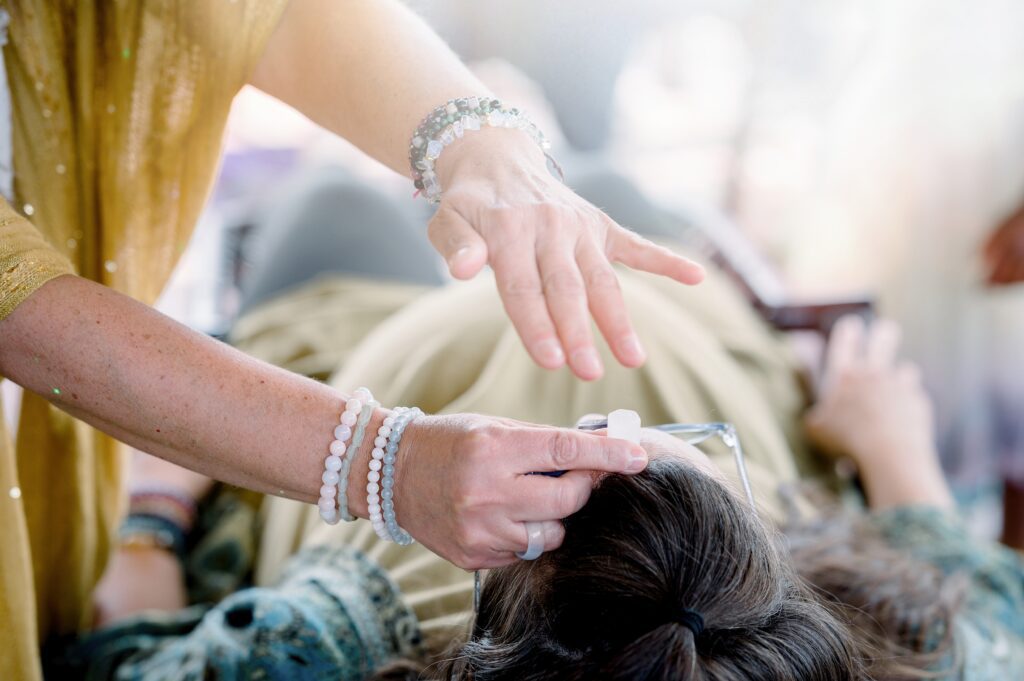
(520, 287)
(549, 212)
(602, 278)
(563, 282)
(479, 439)
(564, 452)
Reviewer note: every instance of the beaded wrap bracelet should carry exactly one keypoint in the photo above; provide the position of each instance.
(451, 121)
(338, 447)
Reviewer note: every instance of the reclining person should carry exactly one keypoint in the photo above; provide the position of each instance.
(668, 575)
(690, 583)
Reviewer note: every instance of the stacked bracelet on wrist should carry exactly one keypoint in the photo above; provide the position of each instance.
(380, 478)
(158, 517)
(452, 120)
(333, 463)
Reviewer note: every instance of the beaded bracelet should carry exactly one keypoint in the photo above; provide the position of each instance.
(165, 501)
(380, 478)
(373, 506)
(143, 530)
(346, 465)
(387, 493)
(451, 121)
(332, 464)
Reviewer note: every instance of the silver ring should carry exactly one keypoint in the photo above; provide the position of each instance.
(535, 541)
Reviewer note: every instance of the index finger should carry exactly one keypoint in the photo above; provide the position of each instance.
(559, 449)
(845, 348)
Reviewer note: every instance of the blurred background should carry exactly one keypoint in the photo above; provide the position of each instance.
(859, 148)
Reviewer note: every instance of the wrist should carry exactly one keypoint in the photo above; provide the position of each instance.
(487, 152)
(910, 482)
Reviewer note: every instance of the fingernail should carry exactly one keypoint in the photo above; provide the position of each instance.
(550, 354)
(636, 463)
(586, 363)
(631, 349)
(458, 255)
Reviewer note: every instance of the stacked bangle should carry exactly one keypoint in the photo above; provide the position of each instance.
(164, 501)
(333, 462)
(144, 530)
(380, 478)
(159, 516)
(451, 121)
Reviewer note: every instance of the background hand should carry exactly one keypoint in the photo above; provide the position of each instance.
(875, 410)
(1004, 251)
(551, 251)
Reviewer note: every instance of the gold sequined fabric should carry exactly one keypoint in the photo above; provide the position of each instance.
(118, 107)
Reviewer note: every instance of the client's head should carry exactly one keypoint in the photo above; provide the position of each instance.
(620, 599)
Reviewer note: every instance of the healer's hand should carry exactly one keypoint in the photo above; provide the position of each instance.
(464, 486)
(551, 251)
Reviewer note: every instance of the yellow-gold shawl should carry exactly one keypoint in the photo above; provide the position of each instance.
(118, 109)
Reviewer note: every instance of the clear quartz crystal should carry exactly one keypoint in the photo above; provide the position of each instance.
(457, 128)
(434, 149)
(448, 136)
(471, 122)
(624, 424)
(495, 119)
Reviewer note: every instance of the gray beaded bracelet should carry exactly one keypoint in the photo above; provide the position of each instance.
(346, 463)
(452, 120)
(387, 492)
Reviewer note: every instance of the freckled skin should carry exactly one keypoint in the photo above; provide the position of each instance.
(203, 425)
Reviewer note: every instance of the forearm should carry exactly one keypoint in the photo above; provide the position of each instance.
(149, 471)
(167, 390)
(368, 70)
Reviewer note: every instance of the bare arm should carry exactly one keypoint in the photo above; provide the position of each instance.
(463, 489)
(370, 70)
(168, 390)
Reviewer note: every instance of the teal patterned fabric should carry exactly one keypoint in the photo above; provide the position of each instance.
(335, 615)
(990, 629)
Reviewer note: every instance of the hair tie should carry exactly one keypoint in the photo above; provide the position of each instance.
(692, 620)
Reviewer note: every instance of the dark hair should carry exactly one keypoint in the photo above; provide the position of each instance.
(611, 602)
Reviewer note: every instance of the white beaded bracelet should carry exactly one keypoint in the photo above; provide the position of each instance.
(332, 464)
(373, 506)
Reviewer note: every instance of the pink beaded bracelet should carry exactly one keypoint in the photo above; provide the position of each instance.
(332, 464)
